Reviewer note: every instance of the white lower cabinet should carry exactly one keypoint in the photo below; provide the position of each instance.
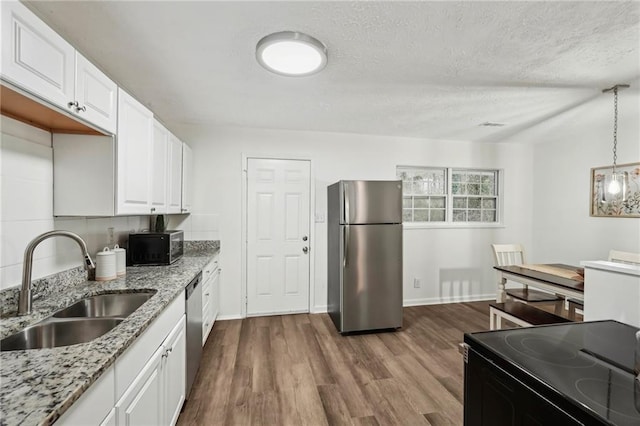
(174, 373)
(95, 406)
(210, 297)
(156, 395)
(141, 403)
(146, 386)
(111, 419)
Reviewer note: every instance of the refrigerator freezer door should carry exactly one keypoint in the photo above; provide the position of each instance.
(372, 277)
(367, 201)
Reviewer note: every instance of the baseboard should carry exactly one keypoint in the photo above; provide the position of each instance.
(228, 317)
(321, 309)
(454, 299)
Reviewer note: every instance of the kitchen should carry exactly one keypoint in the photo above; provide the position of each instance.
(558, 127)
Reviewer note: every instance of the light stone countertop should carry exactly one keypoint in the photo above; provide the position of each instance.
(38, 385)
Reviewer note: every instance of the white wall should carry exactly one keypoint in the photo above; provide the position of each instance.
(453, 264)
(565, 149)
(26, 208)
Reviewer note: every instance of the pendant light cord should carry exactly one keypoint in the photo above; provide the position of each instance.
(615, 128)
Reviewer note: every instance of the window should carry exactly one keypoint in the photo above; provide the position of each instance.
(424, 193)
(449, 195)
(475, 195)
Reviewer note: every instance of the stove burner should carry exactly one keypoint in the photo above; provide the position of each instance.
(604, 394)
(548, 349)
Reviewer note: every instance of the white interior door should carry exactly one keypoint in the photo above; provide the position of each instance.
(277, 236)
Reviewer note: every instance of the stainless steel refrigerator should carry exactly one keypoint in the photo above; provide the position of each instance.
(365, 254)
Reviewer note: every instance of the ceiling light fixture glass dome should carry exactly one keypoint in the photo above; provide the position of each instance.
(291, 53)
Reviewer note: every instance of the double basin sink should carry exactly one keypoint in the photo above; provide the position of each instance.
(85, 320)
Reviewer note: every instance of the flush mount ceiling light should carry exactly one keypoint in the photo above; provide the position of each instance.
(616, 187)
(291, 53)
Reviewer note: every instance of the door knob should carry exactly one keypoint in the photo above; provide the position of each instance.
(305, 250)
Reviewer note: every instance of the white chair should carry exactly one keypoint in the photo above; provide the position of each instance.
(614, 256)
(513, 254)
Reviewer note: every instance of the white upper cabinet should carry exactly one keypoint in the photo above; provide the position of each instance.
(96, 95)
(134, 156)
(187, 177)
(159, 168)
(36, 59)
(174, 187)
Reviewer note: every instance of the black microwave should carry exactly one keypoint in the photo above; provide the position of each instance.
(155, 248)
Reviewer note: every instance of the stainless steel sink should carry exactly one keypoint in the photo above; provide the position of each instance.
(106, 305)
(52, 333)
(81, 322)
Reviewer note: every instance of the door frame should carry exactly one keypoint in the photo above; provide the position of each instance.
(245, 218)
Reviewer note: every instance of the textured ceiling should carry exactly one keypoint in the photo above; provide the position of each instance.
(418, 69)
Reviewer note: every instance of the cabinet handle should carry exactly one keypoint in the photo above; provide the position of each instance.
(81, 108)
(72, 104)
(183, 210)
(153, 209)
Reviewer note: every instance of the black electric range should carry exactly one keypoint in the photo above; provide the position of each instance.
(581, 373)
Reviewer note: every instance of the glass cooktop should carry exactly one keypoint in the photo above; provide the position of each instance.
(589, 363)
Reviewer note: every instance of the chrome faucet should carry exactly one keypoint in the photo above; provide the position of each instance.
(24, 302)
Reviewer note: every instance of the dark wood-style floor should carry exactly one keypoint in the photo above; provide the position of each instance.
(297, 370)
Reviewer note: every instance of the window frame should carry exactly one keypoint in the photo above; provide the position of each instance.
(449, 197)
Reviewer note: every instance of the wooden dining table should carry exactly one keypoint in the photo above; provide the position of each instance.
(556, 278)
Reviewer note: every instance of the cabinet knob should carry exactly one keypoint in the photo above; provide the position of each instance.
(206, 294)
(80, 108)
(72, 104)
(183, 210)
(153, 209)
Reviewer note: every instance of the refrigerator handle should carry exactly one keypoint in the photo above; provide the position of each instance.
(345, 203)
(345, 255)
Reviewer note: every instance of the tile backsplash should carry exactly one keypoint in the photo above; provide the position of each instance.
(196, 226)
(26, 209)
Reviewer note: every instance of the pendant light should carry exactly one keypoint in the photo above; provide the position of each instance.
(616, 188)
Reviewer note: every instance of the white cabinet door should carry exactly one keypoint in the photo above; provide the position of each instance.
(142, 402)
(187, 177)
(135, 137)
(96, 95)
(159, 169)
(111, 419)
(215, 297)
(174, 187)
(174, 372)
(34, 57)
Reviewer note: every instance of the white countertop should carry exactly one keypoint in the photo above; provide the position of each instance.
(603, 265)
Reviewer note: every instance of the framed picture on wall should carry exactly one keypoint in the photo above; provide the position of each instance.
(623, 203)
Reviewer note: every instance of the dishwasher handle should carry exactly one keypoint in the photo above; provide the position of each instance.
(193, 285)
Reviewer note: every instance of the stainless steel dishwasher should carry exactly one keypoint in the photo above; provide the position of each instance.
(194, 329)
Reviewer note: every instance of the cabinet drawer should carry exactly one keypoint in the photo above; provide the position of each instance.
(207, 271)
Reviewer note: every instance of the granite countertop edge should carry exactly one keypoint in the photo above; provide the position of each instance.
(39, 385)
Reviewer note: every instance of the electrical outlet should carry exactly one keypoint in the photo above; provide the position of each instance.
(416, 283)
(110, 238)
